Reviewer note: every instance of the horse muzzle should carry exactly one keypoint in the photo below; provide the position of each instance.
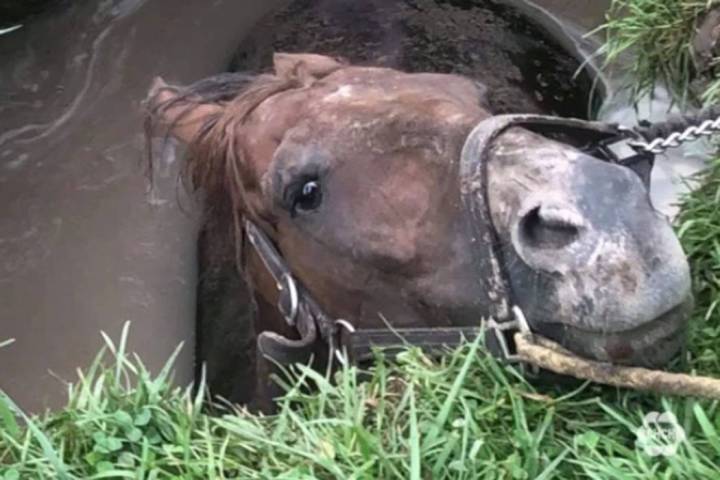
(567, 231)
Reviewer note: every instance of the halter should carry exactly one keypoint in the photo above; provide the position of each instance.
(345, 342)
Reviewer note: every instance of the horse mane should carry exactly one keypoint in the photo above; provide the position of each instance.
(214, 160)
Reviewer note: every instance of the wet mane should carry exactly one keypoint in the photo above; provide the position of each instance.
(213, 161)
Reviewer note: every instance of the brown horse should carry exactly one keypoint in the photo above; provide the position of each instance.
(353, 174)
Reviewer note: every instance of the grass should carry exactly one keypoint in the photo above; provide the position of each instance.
(662, 31)
(699, 231)
(464, 416)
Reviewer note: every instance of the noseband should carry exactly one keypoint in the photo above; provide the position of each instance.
(344, 342)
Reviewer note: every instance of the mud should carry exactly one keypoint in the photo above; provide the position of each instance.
(523, 68)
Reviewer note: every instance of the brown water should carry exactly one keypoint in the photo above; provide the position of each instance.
(82, 246)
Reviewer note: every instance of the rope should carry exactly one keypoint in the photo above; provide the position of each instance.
(540, 352)
(678, 130)
(548, 355)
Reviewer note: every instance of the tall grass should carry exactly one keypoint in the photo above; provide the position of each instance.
(699, 231)
(462, 417)
(651, 40)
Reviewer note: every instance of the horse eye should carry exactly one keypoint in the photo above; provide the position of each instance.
(309, 197)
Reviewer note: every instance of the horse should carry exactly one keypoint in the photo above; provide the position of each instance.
(352, 176)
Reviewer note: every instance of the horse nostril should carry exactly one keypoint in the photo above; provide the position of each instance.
(549, 227)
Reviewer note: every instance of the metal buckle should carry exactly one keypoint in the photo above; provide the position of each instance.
(625, 151)
(499, 330)
(288, 299)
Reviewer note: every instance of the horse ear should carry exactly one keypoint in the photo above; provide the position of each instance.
(305, 65)
(182, 116)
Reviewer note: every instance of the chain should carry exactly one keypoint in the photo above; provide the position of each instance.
(661, 144)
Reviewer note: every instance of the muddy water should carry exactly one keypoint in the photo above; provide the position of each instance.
(82, 247)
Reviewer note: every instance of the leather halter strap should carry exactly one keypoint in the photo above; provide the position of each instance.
(605, 141)
(302, 312)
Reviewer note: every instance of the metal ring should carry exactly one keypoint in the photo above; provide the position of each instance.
(340, 356)
(522, 322)
(524, 327)
(345, 324)
(287, 283)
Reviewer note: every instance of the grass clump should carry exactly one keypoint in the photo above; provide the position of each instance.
(464, 416)
(699, 231)
(657, 37)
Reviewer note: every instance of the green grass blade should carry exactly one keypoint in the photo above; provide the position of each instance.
(7, 418)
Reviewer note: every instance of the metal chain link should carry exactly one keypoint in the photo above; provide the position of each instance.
(661, 144)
